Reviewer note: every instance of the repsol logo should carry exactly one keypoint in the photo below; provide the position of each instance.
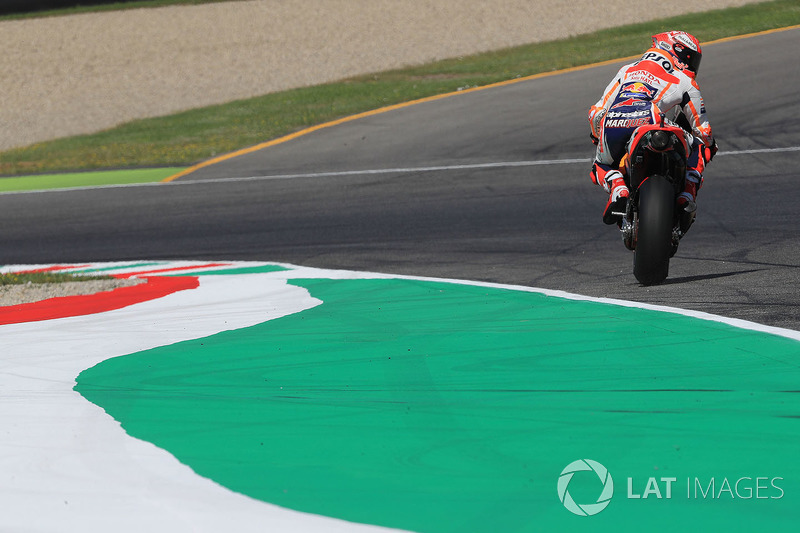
(658, 58)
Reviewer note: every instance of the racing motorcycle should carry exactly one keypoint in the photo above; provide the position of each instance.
(653, 223)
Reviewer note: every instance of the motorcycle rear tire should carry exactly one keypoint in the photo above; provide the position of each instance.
(654, 231)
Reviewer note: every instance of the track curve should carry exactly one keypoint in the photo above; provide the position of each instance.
(466, 191)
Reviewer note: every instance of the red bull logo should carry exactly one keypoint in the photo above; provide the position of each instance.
(638, 88)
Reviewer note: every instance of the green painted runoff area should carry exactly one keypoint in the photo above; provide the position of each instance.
(257, 269)
(439, 407)
(87, 179)
(111, 269)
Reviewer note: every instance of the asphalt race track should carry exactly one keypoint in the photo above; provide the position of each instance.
(468, 193)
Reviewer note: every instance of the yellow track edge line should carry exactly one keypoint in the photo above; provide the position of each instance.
(378, 111)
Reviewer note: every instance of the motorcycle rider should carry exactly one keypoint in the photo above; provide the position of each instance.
(661, 81)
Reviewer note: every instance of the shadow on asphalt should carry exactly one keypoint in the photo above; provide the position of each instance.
(702, 277)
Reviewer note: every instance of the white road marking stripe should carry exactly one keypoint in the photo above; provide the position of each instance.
(379, 171)
(406, 170)
(760, 151)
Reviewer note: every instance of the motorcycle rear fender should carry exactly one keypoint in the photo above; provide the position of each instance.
(640, 132)
(642, 160)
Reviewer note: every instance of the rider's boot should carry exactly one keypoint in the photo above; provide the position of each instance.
(687, 200)
(617, 198)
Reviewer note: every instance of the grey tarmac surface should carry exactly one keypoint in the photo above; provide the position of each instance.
(528, 224)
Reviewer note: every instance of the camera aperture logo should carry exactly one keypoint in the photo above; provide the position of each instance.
(585, 509)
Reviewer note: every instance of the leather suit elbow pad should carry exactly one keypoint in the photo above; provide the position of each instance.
(596, 115)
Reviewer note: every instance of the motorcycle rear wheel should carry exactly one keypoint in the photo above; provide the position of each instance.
(654, 231)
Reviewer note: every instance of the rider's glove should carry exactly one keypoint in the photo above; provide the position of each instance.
(595, 140)
(710, 151)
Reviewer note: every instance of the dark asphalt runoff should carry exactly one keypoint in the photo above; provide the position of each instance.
(467, 188)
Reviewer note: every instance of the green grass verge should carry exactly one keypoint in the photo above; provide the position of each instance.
(86, 179)
(193, 136)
